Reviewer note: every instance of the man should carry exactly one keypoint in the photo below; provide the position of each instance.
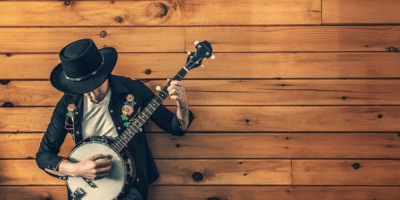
(94, 104)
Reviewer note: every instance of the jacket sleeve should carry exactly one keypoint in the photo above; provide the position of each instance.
(47, 156)
(163, 117)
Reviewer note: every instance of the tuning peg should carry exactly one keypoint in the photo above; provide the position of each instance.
(158, 88)
(212, 57)
(189, 52)
(195, 43)
(202, 65)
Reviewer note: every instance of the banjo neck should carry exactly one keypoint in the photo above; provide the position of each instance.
(122, 141)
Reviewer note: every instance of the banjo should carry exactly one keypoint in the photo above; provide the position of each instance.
(123, 171)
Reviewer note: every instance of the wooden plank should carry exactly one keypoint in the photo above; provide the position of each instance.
(161, 13)
(272, 193)
(214, 172)
(22, 145)
(243, 119)
(295, 39)
(221, 192)
(272, 145)
(237, 92)
(226, 65)
(360, 12)
(344, 172)
(224, 172)
(236, 145)
(25, 172)
(123, 39)
(34, 193)
(228, 39)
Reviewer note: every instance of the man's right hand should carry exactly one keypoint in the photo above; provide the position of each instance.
(87, 168)
(92, 169)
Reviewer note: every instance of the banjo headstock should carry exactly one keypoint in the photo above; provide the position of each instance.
(203, 50)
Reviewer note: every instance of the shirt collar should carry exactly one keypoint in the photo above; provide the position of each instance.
(117, 86)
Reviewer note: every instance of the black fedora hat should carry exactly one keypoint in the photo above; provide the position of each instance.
(83, 67)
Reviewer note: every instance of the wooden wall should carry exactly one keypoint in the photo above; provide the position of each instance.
(301, 102)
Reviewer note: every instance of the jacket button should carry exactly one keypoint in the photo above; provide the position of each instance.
(111, 111)
(77, 132)
(119, 128)
(76, 113)
(137, 180)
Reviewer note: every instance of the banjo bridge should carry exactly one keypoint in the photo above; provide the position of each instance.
(90, 182)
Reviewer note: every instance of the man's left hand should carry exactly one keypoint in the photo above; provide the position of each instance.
(177, 92)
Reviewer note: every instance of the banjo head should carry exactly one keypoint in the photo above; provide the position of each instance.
(109, 187)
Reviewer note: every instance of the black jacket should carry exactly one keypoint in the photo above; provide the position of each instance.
(121, 87)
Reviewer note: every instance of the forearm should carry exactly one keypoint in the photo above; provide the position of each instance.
(65, 168)
(183, 116)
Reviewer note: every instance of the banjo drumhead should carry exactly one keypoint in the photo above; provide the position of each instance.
(106, 188)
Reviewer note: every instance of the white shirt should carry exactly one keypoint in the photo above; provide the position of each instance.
(97, 120)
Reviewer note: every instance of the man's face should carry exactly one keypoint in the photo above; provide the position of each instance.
(97, 95)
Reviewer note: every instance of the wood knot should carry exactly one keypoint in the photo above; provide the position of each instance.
(103, 34)
(7, 104)
(148, 71)
(398, 134)
(112, 2)
(157, 10)
(197, 176)
(178, 145)
(356, 165)
(247, 120)
(288, 191)
(8, 55)
(344, 97)
(4, 82)
(213, 198)
(119, 19)
(393, 49)
(287, 138)
(380, 116)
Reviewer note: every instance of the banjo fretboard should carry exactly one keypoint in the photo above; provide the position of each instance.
(134, 127)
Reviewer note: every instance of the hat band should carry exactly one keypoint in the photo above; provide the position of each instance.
(87, 76)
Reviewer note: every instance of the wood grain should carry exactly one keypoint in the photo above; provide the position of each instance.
(214, 172)
(272, 193)
(273, 145)
(22, 145)
(228, 39)
(237, 92)
(123, 39)
(221, 192)
(342, 172)
(34, 192)
(160, 13)
(25, 172)
(226, 65)
(243, 119)
(360, 12)
(296, 39)
(236, 145)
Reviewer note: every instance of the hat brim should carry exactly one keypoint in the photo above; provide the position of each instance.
(60, 82)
